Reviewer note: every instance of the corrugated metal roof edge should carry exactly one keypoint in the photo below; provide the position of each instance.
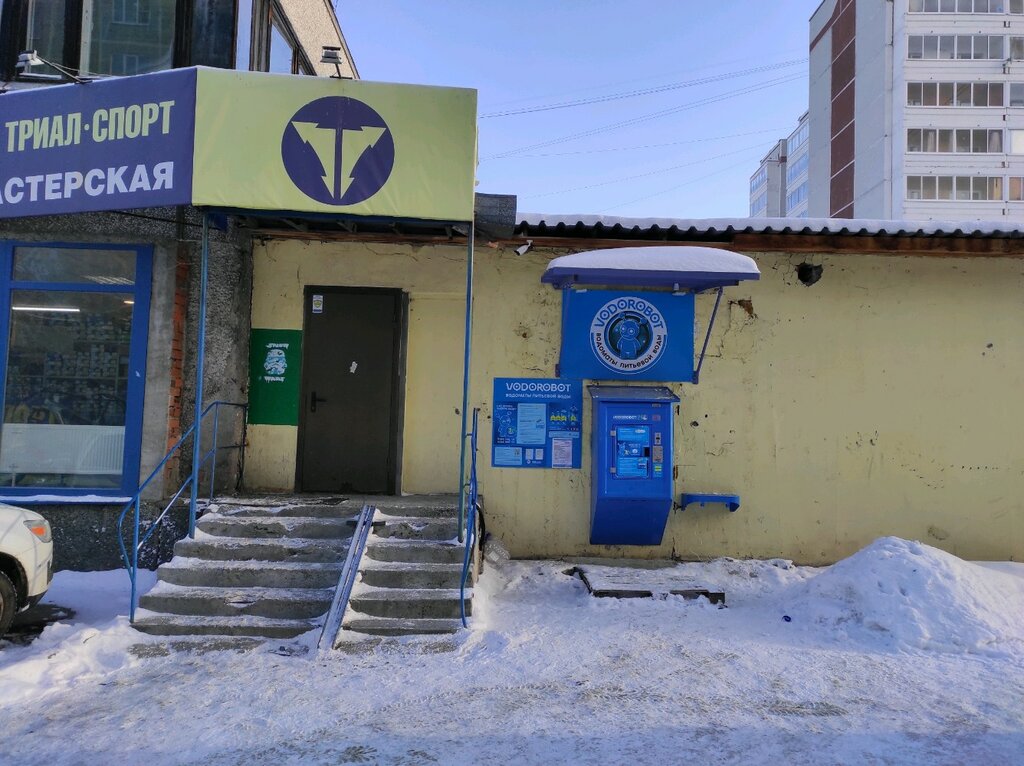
(538, 224)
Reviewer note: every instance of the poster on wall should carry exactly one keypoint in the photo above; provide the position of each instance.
(538, 423)
(275, 360)
(614, 335)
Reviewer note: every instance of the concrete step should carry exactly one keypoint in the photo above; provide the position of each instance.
(248, 574)
(296, 549)
(415, 528)
(418, 509)
(409, 602)
(343, 510)
(392, 626)
(280, 603)
(238, 625)
(275, 526)
(413, 551)
(381, 574)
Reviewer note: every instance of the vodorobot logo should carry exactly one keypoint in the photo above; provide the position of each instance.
(338, 150)
(628, 334)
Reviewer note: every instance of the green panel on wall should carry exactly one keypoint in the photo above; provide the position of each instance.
(275, 363)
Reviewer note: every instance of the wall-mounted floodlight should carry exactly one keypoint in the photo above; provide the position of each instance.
(28, 59)
(332, 55)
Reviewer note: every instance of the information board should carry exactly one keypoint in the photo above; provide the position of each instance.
(538, 423)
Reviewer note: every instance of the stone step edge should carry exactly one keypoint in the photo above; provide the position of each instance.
(415, 624)
(166, 589)
(284, 520)
(147, 617)
(291, 542)
(365, 592)
(376, 565)
(185, 562)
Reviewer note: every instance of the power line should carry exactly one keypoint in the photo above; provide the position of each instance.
(645, 175)
(646, 78)
(673, 188)
(646, 91)
(777, 131)
(647, 117)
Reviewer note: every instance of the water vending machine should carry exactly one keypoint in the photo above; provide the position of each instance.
(631, 492)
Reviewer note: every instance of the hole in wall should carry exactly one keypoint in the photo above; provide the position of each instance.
(808, 273)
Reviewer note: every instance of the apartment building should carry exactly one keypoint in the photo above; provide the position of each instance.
(768, 184)
(917, 109)
(778, 189)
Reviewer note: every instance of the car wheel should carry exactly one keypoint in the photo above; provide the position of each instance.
(8, 603)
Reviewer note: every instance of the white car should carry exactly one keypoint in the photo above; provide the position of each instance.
(26, 561)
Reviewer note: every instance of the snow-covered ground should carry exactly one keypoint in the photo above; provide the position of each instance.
(901, 654)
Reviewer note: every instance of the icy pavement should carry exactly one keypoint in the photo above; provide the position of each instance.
(864, 671)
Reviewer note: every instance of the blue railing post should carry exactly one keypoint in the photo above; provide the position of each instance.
(135, 558)
(131, 562)
(471, 504)
(213, 464)
(200, 363)
(467, 353)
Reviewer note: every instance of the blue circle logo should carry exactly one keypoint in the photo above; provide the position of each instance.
(338, 150)
(628, 335)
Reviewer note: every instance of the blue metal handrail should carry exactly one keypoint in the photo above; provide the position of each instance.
(347, 579)
(471, 511)
(132, 563)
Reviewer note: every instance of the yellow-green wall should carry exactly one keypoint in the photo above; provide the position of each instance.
(885, 399)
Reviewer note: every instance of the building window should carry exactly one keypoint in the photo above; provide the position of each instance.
(799, 138)
(759, 205)
(796, 168)
(955, 94)
(1016, 94)
(963, 6)
(796, 197)
(948, 47)
(964, 140)
(962, 188)
(75, 322)
(1016, 189)
(758, 179)
(116, 37)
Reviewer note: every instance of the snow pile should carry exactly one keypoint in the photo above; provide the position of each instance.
(910, 595)
(82, 650)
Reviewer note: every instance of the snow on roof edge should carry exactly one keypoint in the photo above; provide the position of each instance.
(863, 226)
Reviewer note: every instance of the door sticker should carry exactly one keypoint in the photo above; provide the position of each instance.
(318, 304)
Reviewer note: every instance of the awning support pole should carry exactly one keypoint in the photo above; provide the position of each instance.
(465, 385)
(700, 362)
(200, 364)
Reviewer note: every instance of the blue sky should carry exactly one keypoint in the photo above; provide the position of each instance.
(691, 145)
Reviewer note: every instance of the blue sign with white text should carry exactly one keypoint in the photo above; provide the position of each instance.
(116, 143)
(538, 423)
(610, 335)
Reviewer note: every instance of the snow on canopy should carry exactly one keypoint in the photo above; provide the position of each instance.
(680, 266)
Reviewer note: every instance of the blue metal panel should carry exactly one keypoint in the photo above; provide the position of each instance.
(732, 502)
(631, 479)
(618, 335)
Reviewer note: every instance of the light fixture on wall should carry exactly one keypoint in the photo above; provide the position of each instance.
(32, 58)
(332, 55)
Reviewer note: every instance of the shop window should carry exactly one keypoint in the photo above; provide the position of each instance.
(74, 320)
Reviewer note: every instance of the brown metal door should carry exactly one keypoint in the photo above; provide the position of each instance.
(349, 411)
